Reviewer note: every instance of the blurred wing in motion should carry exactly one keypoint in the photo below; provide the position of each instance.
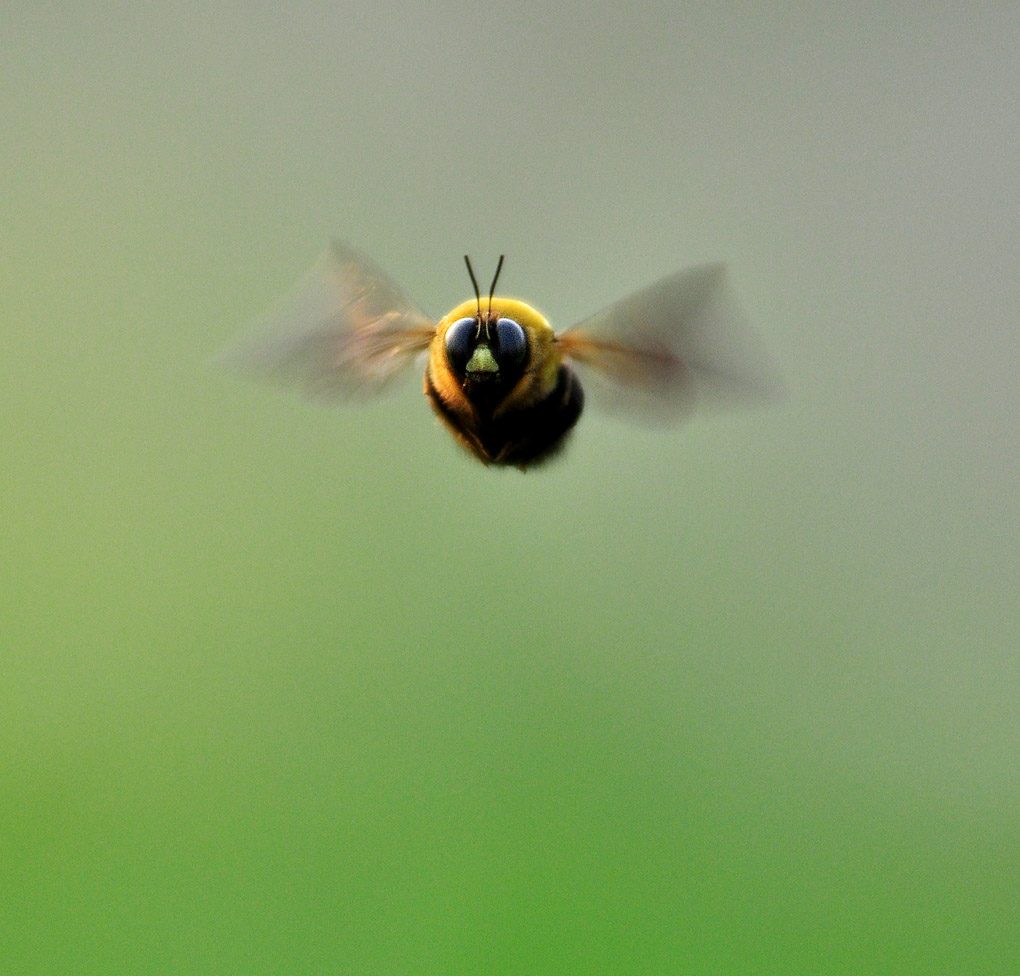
(681, 341)
(344, 330)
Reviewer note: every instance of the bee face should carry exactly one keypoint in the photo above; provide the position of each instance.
(493, 378)
(486, 352)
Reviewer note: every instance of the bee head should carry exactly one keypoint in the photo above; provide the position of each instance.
(486, 350)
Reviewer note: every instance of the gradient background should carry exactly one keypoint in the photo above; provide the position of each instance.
(292, 690)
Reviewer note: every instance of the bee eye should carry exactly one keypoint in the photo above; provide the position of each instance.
(513, 344)
(460, 343)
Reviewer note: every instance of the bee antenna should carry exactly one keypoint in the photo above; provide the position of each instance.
(474, 281)
(495, 278)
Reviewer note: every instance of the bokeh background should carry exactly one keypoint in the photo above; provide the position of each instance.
(294, 690)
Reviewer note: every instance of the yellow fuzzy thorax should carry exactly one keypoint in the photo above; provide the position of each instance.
(531, 320)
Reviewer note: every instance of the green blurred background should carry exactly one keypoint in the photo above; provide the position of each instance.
(293, 690)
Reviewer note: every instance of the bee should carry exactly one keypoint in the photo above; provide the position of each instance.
(497, 375)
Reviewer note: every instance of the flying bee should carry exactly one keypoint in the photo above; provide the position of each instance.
(497, 375)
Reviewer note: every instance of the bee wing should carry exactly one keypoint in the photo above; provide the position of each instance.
(344, 330)
(681, 341)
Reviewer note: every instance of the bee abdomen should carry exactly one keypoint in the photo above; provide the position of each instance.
(521, 437)
(532, 436)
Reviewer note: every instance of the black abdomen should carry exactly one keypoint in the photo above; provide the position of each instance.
(521, 437)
